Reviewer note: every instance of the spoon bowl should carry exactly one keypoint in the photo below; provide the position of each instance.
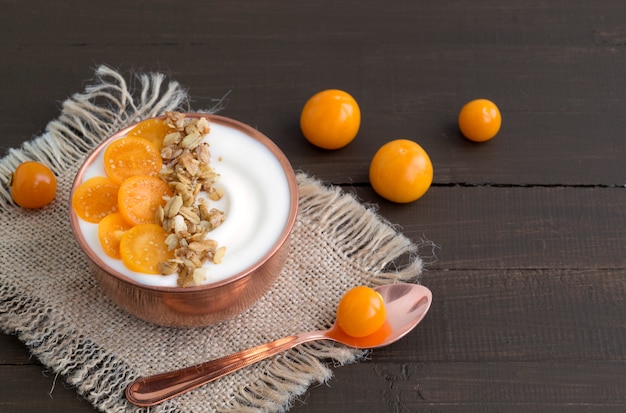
(406, 306)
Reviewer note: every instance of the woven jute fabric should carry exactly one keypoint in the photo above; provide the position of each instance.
(49, 299)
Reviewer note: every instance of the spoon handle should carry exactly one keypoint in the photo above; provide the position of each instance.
(152, 390)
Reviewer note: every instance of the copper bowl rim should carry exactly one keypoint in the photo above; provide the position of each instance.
(248, 130)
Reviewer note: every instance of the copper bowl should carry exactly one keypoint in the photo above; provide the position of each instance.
(204, 304)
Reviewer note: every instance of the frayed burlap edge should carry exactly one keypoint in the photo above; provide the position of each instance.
(359, 231)
(88, 118)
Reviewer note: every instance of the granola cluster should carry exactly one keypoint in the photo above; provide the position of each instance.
(187, 216)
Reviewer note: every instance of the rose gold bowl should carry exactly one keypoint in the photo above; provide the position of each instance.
(199, 305)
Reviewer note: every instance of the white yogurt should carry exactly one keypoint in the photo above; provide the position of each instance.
(256, 204)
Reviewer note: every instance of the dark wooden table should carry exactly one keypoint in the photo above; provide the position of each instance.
(528, 270)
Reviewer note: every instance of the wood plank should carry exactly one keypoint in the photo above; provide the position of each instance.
(513, 315)
(523, 23)
(501, 228)
(581, 386)
(560, 130)
(501, 326)
(584, 386)
(409, 84)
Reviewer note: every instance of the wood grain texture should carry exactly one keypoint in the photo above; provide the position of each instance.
(483, 387)
(523, 237)
(32, 388)
(514, 227)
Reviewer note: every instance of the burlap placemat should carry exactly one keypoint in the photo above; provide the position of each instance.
(50, 301)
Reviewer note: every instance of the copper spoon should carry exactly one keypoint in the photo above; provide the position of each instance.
(406, 306)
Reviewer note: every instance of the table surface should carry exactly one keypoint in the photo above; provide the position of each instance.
(527, 264)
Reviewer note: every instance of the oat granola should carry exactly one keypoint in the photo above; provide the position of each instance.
(187, 216)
